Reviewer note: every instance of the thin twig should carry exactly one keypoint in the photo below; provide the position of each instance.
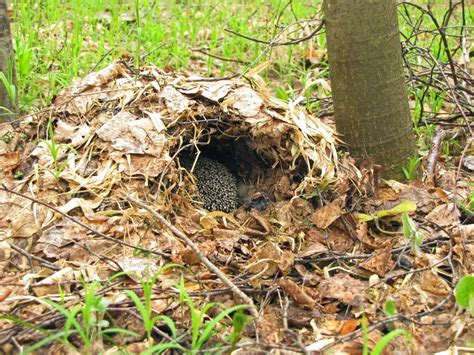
(100, 234)
(209, 54)
(31, 256)
(200, 255)
(275, 44)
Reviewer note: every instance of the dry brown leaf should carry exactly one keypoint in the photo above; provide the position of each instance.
(466, 232)
(8, 162)
(268, 260)
(444, 215)
(348, 326)
(270, 325)
(75, 135)
(5, 254)
(302, 295)
(175, 101)
(138, 348)
(246, 102)
(433, 283)
(344, 288)
(129, 134)
(326, 215)
(337, 240)
(188, 226)
(380, 263)
(138, 269)
(49, 285)
(215, 91)
(187, 256)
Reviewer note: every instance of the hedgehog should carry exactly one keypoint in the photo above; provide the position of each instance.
(217, 186)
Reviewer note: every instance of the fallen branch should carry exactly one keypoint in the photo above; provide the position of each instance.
(238, 292)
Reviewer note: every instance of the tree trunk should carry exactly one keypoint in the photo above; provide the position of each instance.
(367, 80)
(8, 103)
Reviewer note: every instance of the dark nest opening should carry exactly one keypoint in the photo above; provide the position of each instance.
(238, 156)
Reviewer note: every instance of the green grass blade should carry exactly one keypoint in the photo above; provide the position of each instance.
(170, 323)
(382, 343)
(138, 303)
(207, 332)
(71, 320)
(119, 331)
(66, 314)
(159, 348)
(24, 323)
(45, 341)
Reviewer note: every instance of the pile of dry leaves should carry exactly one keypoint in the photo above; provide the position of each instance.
(316, 245)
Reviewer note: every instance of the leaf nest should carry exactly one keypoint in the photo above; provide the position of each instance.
(134, 127)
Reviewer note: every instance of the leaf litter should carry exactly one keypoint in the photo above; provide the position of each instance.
(315, 242)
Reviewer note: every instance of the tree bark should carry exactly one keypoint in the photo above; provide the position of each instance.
(367, 80)
(7, 66)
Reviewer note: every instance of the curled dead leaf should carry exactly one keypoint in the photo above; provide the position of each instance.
(380, 263)
(323, 217)
(302, 295)
(344, 288)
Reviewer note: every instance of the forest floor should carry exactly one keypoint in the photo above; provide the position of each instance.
(104, 248)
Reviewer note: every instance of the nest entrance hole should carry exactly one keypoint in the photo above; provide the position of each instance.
(257, 174)
(239, 156)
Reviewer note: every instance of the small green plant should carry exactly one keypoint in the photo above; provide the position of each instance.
(9, 83)
(55, 151)
(202, 331)
(411, 232)
(470, 203)
(403, 207)
(146, 311)
(85, 320)
(281, 93)
(239, 321)
(467, 207)
(138, 33)
(382, 343)
(464, 293)
(24, 60)
(411, 170)
(19, 175)
(7, 138)
(389, 308)
(450, 147)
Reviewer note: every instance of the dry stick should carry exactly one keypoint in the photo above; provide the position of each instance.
(105, 236)
(435, 148)
(31, 256)
(197, 80)
(273, 43)
(200, 255)
(17, 330)
(205, 52)
(442, 35)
